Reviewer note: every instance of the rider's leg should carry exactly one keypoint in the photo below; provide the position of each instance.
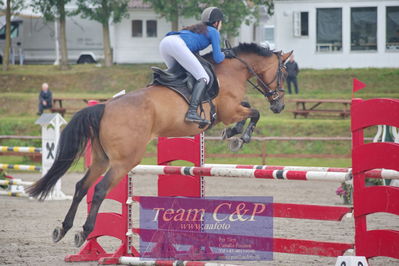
(176, 48)
(198, 92)
(164, 50)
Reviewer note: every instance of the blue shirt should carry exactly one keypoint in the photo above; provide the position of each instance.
(197, 42)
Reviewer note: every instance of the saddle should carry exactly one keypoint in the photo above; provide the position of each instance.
(182, 82)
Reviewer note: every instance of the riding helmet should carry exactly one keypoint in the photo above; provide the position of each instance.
(211, 14)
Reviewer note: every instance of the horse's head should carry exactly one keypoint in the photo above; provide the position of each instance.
(272, 80)
(269, 69)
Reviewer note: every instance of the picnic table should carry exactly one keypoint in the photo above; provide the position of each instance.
(323, 107)
(58, 106)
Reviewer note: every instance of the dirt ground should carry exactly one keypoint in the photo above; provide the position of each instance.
(26, 225)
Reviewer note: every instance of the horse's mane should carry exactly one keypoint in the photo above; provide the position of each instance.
(252, 48)
(246, 48)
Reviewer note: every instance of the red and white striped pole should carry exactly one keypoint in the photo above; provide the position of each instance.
(241, 173)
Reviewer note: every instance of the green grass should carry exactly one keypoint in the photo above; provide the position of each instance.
(19, 89)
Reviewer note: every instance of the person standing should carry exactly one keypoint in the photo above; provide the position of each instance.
(292, 70)
(45, 99)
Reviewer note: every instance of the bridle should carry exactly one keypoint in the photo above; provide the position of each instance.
(263, 87)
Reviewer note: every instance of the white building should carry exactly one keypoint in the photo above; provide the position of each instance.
(323, 34)
(136, 39)
(339, 34)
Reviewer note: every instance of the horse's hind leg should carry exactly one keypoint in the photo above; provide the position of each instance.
(98, 167)
(238, 127)
(113, 176)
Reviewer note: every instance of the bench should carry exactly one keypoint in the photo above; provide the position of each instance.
(303, 110)
(61, 111)
(59, 108)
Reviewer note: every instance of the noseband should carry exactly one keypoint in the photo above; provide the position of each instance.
(264, 88)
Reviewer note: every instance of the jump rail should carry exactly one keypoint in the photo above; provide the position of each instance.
(21, 167)
(375, 173)
(13, 194)
(19, 149)
(240, 173)
(15, 182)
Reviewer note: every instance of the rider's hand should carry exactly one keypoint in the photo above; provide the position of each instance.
(228, 53)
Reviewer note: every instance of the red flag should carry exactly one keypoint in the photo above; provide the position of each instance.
(358, 85)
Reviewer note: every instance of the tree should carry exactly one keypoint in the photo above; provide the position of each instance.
(104, 11)
(11, 7)
(51, 10)
(237, 12)
(171, 10)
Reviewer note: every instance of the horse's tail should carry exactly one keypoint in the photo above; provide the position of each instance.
(83, 126)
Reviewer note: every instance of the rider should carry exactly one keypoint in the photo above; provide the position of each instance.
(180, 47)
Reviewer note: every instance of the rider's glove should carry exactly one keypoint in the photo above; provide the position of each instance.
(229, 53)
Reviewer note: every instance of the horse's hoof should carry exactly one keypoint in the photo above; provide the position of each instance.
(226, 133)
(246, 139)
(79, 239)
(236, 144)
(58, 234)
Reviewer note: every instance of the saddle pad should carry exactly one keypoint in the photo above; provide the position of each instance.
(182, 82)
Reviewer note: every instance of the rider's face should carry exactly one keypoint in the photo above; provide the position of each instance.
(219, 27)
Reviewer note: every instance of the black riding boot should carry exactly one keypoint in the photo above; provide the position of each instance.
(198, 91)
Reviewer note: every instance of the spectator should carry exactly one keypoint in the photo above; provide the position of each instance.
(45, 99)
(292, 70)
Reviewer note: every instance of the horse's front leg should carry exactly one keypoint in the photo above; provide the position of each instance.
(254, 115)
(238, 127)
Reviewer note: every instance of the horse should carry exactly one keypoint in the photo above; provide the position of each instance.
(120, 129)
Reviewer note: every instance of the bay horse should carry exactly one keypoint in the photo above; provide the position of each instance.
(120, 129)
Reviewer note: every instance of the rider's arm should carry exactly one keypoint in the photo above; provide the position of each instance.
(217, 54)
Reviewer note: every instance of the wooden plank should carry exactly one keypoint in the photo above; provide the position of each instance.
(85, 99)
(320, 100)
(321, 111)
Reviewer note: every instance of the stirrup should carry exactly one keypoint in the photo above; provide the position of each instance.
(196, 119)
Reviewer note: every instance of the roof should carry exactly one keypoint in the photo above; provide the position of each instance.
(138, 4)
(46, 119)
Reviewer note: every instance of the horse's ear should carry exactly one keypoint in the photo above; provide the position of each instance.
(227, 44)
(285, 56)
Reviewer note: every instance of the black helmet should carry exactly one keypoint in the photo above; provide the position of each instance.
(211, 14)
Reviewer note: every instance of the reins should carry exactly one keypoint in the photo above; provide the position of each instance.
(265, 89)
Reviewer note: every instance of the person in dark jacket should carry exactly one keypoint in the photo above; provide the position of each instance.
(45, 99)
(292, 70)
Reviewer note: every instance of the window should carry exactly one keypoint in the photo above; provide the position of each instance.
(328, 29)
(304, 24)
(151, 28)
(268, 37)
(137, 28)
(363, 28)
(269, 34)
(392, 27)
(301, 24)
(14, 30)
